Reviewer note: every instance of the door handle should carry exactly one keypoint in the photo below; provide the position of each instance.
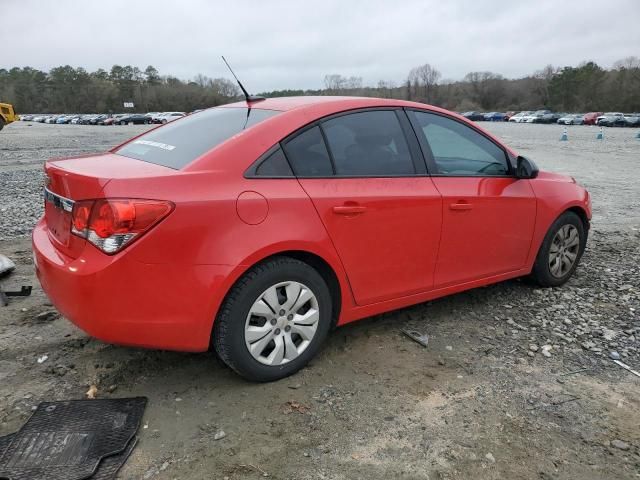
(461, 206)
(349, 210)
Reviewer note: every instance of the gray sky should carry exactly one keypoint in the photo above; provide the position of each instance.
(293, 44)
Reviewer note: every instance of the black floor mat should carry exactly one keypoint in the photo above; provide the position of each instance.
(107, 468)
(68, 440)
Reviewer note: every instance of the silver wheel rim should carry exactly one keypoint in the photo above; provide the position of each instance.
(281, 323)
(564, 250)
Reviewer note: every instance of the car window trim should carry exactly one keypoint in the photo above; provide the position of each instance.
(428, 153)
(251, 172)
(317, 122)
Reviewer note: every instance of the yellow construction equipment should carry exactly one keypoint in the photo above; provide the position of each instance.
(7, 114)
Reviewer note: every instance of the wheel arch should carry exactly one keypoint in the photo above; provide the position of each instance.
(543, 224)
(581, 213)
(332, 274)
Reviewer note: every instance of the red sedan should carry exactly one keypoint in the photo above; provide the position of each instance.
(590, 118)
(254, 228)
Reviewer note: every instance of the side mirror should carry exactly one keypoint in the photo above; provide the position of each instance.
(526, 168)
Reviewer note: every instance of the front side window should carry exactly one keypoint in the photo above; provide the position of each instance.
(368, 143)
(308, 154)
(179, 143)
(458, 149)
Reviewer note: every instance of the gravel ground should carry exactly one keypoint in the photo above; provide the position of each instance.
(517, 382)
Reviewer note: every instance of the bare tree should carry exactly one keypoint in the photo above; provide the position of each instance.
(627, 63)
(425, 77)
(334, 83)
(337, 84)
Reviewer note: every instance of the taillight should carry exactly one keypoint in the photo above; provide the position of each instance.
(111, 224)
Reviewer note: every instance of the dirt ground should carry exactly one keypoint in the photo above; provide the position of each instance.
(481, 401)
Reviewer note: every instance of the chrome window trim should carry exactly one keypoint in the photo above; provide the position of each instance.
(58, 200)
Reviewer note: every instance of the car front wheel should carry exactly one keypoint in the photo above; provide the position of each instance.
(273, 320)
(561, 251)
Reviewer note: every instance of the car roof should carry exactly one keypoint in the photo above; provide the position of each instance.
(336, 103)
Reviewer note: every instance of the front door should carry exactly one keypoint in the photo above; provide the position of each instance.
(488, 214)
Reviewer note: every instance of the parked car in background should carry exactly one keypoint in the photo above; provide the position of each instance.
(26, 118)
(549, 117)
(245, 227)
(571, 119)
(508, 115)
(474, 116)
(65, 119)
(494, 117)
(536, 117)
(134, 119)
(111, 119)
(520, 117)
(167, 117)
(609, 117)
(633, 120)
(612, 120)
(591, 118)
(86, 119)
(98, 119)
(38, 118)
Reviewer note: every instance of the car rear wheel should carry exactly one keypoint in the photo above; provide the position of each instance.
(561, 251)
(273, 320)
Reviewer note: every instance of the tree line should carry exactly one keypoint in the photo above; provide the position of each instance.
(583, 88)
(74, 90)
(586, 87)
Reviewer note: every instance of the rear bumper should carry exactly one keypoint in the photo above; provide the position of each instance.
(120, 300)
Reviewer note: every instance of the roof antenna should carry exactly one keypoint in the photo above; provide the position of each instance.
(248, 98)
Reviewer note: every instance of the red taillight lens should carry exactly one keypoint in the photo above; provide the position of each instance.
(81, 212)
(110, 224)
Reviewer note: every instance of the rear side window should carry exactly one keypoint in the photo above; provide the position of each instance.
(308, 154)
(458, 149)
(368, 144)
(179, 143)
(275, 165)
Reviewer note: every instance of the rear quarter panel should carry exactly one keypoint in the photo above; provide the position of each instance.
(205, 228)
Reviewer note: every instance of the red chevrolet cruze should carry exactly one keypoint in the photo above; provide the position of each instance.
(256, 227)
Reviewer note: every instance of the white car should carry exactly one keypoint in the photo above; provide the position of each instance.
(519, 117)
(572, 119)
(167, 117)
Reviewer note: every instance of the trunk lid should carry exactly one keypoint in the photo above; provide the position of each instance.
(84, 178)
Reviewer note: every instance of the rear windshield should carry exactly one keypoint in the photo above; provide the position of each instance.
(179, 143)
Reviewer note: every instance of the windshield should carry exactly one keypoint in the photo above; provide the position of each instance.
(179, 143)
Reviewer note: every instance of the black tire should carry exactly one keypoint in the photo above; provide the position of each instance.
(541, 272)
(229, 328)
(1, 123)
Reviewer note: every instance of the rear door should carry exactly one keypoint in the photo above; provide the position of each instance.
(488, 214)
(370, 188)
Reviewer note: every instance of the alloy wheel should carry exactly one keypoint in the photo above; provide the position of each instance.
(564, 250)
(281, 323)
